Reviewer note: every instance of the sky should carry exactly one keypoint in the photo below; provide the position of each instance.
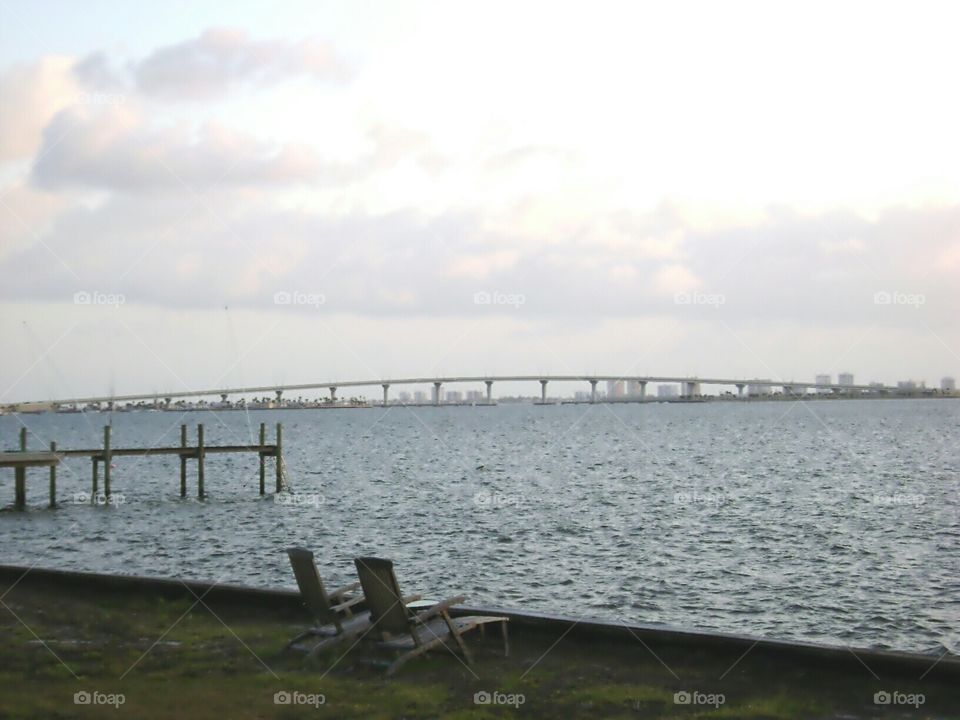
(204, 194)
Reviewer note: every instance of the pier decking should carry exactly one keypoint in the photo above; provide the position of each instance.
(24, 459)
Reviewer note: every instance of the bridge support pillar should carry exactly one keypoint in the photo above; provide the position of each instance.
(436, 393)
(593, 391)
(386, 391)
(223, 398)
(333, 394)
(489, 384)
(643, 390)
(740, 387)
(543, 392)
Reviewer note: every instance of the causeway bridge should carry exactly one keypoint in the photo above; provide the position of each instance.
(690, 387)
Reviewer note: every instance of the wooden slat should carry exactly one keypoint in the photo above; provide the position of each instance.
(28, 459)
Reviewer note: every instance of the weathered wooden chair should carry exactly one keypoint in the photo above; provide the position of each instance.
(332, 612)
(403, 630)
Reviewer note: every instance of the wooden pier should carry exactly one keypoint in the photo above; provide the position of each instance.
(23, 459)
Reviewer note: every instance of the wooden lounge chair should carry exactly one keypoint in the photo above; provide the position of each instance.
(332, 612)
(401, 629)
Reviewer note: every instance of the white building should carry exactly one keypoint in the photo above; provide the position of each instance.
(668, 391)
(475, 396)
(615, 389)
(845, 379)
(454, 396)
(419, 396)
(754, 389)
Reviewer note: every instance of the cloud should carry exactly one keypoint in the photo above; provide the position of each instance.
(30, 95)
(114, 148)
(161, 250)
(221, 58)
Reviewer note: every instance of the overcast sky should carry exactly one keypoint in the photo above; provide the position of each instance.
(206, 194)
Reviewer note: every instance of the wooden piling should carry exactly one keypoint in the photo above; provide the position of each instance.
(183, 462)
(106, 460)
(279, 457)
(20, 475)
(53, 478)
(95, 490)
(263, 460)
(200, 454)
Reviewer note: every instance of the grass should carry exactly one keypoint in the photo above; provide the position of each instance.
(175, 659)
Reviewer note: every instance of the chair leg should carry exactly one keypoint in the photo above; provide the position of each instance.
(410, 655)
(456, 636)
(301, 636)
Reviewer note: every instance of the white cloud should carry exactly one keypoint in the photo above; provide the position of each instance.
(220, 58)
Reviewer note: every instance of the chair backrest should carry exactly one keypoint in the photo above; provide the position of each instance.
(384, 599)
(311, 587)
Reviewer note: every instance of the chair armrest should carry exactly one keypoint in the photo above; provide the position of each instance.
(336, 594)
(346, 605)
(410, 598)
(440, 607)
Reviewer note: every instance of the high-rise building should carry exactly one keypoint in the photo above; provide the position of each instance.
(615, 389)
(667, 391)
(845, 379)
(454, 396)
(823, 380)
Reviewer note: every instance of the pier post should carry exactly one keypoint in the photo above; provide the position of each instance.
(183, 462)
(21, 475)
(95, 489)
(543, 392)
(386, 388)
(489, 384)
(53, 478)
(200, 453)
(279, 456)
(593, 391)
(263, 460)
(436, 393)
(106, 460)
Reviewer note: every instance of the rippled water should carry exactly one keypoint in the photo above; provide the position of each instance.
(827, 521)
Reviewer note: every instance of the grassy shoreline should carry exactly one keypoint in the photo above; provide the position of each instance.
(180, 658)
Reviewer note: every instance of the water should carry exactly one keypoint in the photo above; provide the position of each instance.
(829, 521)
